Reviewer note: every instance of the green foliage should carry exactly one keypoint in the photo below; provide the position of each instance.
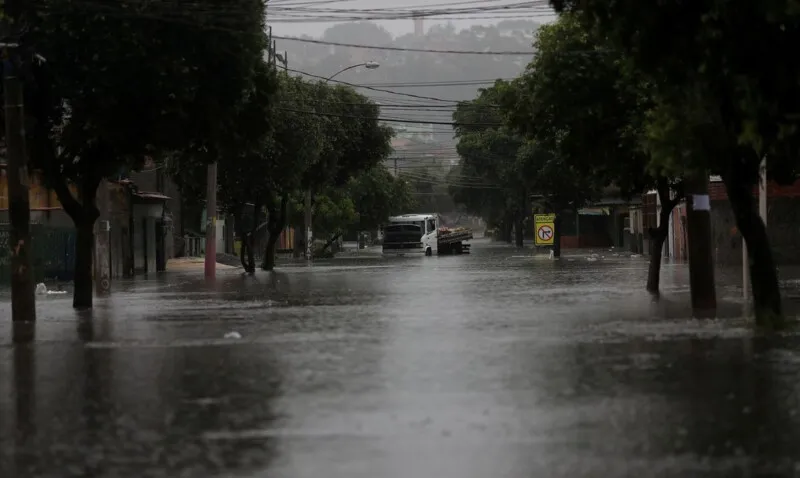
(724, 98)
(118, 84)
(729, 84)
(334, 212)
(363, 204)
(353, 141)
(582, 107)
(490, 181)
(377, 195)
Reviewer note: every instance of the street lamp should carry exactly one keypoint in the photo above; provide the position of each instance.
(370, 65)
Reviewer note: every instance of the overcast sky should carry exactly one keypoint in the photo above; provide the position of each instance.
(277, 16)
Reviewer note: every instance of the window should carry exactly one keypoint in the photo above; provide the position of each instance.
(431, 225)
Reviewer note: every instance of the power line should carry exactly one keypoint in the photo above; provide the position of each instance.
(420, 11)
(434, 84)
(413, 8)
(373, 88)
(390, 120)
(397, 48)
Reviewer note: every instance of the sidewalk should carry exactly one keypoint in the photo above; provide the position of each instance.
(192, 263)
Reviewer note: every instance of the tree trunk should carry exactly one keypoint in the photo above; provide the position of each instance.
(659, 235)
(275, 224)
(250, 268)
(84, 245)
(237, 224)
(657, 238)
(268, 263)
(251, 240)
(330, 241)
(763, 274)
(519, 233)
(508, 228)
(83, 213)
(243, 253)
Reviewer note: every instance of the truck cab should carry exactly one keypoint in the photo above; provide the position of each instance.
(411, 234)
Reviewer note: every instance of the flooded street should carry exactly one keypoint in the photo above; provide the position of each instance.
(491, 365)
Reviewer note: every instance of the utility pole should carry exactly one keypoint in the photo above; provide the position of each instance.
(23, 302)
(701, 255)
(211, 222)
(762, 211)
(370, 65)
(309, 234)
(102, 250)
(762, 191)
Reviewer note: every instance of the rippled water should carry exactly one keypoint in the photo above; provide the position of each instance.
(491, 365)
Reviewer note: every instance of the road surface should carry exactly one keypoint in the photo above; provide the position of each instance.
(492, 365)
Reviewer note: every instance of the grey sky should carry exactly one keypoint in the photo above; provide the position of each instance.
(537, 10)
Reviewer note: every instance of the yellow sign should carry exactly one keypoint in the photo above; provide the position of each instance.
(545, 227)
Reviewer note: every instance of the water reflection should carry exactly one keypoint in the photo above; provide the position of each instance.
(24, 388)
(471, 367)
(79, 410)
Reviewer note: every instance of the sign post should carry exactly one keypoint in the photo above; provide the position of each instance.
(545, 229)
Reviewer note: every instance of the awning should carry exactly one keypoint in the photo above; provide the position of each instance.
(150, 196)
(594, 211)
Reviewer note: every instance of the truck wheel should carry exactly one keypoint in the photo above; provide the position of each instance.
(428, 252)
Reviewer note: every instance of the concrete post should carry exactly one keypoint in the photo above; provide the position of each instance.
(211, 222)
(309, 232)
(762, 211)
(701, 253)
(102, 243)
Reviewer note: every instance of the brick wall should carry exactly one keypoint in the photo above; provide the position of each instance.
(783, 224)
(716, 190)
(783, 227)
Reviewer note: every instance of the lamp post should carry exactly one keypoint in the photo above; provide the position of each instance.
(370, 65)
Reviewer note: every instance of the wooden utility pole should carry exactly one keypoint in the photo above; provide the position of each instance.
(23, 302)
(762, 211)
(211, 222)
(701, 251)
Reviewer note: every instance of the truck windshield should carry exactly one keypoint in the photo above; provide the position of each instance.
(400, 228)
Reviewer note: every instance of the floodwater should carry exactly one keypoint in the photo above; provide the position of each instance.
(491, 365)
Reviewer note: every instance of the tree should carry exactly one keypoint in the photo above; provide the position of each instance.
(345, 140)
(484, 201)
(377, 195)
(364, 204)
(585, 104)
(247, 163)
(714, 75)
(353, 138)
(490, 150)
(430, 184)
(124, 82)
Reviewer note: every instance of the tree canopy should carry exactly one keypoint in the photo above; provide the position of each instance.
(110, 85)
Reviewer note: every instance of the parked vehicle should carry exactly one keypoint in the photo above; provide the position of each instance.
(423, 234)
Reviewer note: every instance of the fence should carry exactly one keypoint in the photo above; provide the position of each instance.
(52, 253)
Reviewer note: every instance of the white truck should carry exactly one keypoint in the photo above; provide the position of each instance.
(423, 234)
